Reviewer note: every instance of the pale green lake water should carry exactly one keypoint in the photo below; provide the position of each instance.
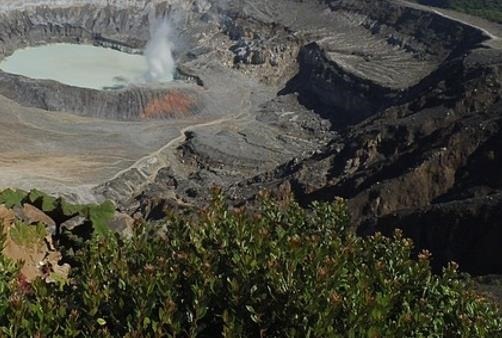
(77, 65)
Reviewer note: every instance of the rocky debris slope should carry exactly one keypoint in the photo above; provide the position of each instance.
(215, 157)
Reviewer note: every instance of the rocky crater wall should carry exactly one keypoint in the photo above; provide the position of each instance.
(406, 46)
(130, 104)
(327, 88)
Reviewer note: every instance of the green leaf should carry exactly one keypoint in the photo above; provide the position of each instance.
(101, 322)
(12, 198)
(146, 322)
(42, 200)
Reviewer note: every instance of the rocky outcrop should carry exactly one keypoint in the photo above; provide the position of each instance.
(43, 241)
(32, 215)
(32, 247)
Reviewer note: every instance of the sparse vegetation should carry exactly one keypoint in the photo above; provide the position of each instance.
(488, 9)
(278, 270)
(28, 235)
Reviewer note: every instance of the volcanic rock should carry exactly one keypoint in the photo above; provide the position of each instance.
(122, 224)
(32, 215)
(73, 223)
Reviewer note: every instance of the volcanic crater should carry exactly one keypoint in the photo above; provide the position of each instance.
(383, 102)
(123, 29)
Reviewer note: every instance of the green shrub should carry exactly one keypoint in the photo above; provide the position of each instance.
(275, 271)
(11, 198)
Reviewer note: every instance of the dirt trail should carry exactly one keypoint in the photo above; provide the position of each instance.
(139, 164)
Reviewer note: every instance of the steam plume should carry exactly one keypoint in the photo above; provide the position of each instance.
(159, 52)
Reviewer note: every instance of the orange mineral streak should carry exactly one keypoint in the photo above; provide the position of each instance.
(175, 104)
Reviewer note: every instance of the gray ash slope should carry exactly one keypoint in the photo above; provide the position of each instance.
(390, 105)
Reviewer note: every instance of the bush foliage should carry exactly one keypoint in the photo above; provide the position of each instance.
(274, 271)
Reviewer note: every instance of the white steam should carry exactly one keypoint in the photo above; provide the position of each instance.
(159, 52)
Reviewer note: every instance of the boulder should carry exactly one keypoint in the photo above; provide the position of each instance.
(73, 223)
(122, 223)
(32, 215)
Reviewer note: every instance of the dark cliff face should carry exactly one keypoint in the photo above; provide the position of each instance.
(334, 93)
(467, 231)
(408, 155)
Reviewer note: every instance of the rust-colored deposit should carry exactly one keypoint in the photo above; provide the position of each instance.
(173, 105)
